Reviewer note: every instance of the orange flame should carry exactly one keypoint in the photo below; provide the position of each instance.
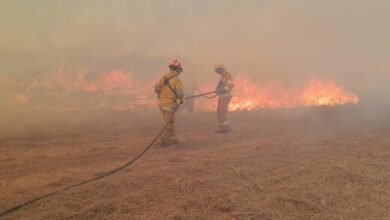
(326, 93)
(249, 96)
(19, 99)
(119, 90)
(116, 82)
(114, 90)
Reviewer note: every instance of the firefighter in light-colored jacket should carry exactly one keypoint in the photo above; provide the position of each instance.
(224, 90)
(170, 93)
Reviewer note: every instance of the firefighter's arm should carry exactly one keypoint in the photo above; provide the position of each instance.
(158, 87)
(229, 83)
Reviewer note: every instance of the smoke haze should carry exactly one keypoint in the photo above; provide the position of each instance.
(50, 49)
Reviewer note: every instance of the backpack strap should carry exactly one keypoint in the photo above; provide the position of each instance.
(166, 83)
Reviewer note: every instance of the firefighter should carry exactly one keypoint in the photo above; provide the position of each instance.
(170, 93)
(224, 91)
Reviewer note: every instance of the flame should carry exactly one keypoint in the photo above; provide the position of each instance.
(113, 90)
(66, 91)
(326, 93)
(249, 96)
(19, 99)
(116, 82)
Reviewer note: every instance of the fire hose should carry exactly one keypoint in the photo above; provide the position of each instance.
(111, 172)
(206, 95)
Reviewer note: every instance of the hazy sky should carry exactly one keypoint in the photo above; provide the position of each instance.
(287, 41)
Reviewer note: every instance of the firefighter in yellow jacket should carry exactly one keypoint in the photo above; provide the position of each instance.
(224, 91)
(170, 93)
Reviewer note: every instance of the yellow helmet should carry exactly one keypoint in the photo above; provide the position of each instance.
(219, 68)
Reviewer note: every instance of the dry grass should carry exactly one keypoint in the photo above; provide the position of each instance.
(283, 164)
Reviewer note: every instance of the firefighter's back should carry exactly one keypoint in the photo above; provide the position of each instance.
(170, 89)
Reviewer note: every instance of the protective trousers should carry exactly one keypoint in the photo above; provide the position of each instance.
(222, 110)
(169, 133)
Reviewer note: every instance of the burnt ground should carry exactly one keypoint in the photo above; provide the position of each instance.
(309, 163)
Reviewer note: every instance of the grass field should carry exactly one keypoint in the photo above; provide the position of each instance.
(306, 163)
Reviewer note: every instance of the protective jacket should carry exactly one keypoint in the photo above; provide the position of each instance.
(225, 85)
(169, 90)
